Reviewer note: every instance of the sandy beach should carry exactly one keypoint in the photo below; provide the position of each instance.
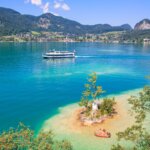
(66, 125)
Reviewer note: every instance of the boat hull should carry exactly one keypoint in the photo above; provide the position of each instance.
(102, 133)
(49, 57)
(103, 136)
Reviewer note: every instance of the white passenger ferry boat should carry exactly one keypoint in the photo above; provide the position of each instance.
(59, 54)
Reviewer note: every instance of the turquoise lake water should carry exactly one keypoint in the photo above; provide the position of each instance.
(32, 89)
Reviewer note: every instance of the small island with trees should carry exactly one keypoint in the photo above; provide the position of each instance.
(95, 110)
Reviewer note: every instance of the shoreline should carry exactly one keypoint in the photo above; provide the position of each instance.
(71, 42)
(66, 124)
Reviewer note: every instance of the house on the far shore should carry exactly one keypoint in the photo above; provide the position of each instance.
(146, 41)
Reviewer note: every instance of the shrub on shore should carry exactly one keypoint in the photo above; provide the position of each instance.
(137, 133)
(22, 138)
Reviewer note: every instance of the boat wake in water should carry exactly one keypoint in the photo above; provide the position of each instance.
(116, 56)
(86, 56)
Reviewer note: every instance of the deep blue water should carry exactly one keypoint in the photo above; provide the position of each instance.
(32, 89)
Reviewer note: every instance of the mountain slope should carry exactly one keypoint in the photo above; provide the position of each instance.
(12, 22)
(143, 25)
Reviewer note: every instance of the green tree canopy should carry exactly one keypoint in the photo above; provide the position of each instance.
(92, 91)
(140, 107)
(22, 138)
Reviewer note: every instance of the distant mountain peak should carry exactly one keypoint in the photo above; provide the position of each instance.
(126, 26)
(143, 25)
(4, 10)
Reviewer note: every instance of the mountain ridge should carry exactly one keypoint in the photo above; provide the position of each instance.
(13, 22)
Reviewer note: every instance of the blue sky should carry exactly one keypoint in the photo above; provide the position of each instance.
(114, 12)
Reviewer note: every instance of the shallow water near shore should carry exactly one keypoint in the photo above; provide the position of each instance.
(66, 125)
(32, 89)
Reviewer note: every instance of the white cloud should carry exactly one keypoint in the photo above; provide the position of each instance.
(60, 4)
(57, 5)
(45, 8)
(65, 7)
(34, 2)
(39, 3)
